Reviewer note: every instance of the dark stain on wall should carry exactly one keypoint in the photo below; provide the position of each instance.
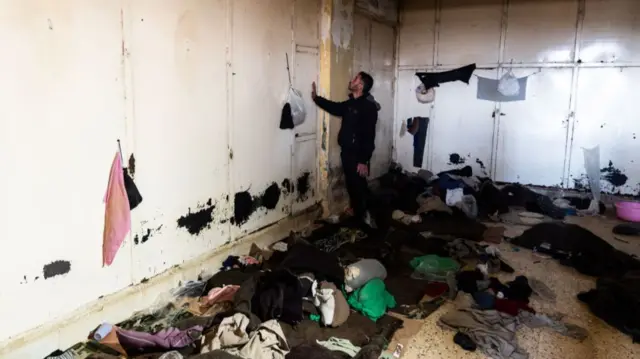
(302, 184)
(481, 164)
(56, 268)
(456, 159)
(198, 221)
(614, 175)
(287, 186)
(245, 204)
(132, 166)
(146, 236)
(243, 207)
(271, 196)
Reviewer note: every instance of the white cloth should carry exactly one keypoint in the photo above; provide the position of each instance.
(454, 196)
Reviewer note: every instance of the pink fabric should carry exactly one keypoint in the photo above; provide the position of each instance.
(117, 215)
(223, 294)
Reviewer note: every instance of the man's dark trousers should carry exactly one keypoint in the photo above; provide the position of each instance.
(357, 186)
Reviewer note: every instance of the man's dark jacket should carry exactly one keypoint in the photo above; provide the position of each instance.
(359, 117)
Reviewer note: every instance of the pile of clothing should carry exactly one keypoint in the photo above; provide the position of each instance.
(293, 299)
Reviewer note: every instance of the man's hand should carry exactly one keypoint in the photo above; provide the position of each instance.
(363, 170)
(313, 90)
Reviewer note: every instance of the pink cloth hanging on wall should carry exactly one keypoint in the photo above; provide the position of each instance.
(117, 215)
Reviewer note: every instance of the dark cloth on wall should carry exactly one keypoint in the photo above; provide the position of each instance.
(303, 258)
(357, 186)
(617, 302)
(278, 295)
(434, 79)
(133, 194)
(418, 128)
(577, 247)
(286, 119)
(358, 131)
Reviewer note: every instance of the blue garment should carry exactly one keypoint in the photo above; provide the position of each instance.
(419, 138)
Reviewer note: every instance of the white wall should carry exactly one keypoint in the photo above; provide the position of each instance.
(586, 58)
(192, 88)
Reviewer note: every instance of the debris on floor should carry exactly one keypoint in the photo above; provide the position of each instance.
(441, 253)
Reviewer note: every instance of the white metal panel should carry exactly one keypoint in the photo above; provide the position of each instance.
(181, 134)
(261, 36)
(469, 32)
(361, 44)
(417, 32)
(62, 110)
(307, 22)
(607, 115)
(382, 70)
(532, 133)
(461, 125)
(407, 107)
(306, 72)
(611, 31)
(541, 31)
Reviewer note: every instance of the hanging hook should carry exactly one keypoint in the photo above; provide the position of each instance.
(120, 151)
(288, 70)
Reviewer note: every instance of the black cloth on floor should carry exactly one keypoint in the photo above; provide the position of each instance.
(286, 118)
(216, 354)
(439, 223)
(491, 200)
(519, 289)
(242, 302)
(434, 79)
(357, 185)
(233, 276)
(584, 203)
(278, 295)
(468, 280)
(520, 196)
(465, 171)
(617, 302)
(134, 196)
(373, 349)
(303, 257)
(577, 247)
(419, 138)
(314, 351)
(627, 229)
(465, 342)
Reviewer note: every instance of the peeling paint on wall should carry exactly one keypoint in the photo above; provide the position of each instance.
(342, 24)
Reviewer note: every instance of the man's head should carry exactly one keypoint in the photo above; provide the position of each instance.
(361, 84)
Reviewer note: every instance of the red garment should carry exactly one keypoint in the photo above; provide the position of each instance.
(117, 214)
(512, 307)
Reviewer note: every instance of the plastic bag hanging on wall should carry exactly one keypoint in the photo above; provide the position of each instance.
(508, 85)
(293, 111)
(425, 95)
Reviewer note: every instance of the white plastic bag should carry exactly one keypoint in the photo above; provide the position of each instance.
(592, 166)
(298, 112)
(425, 96)
(509, 85)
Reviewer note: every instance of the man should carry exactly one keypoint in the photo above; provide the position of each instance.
(356, 138)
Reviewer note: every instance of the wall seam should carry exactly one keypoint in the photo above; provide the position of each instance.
(497, 110)
(229, 115)
(573, 99)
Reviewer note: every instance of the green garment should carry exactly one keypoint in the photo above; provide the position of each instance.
(315, 317)
(372, 299)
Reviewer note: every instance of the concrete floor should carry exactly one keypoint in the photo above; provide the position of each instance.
(426, 340)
